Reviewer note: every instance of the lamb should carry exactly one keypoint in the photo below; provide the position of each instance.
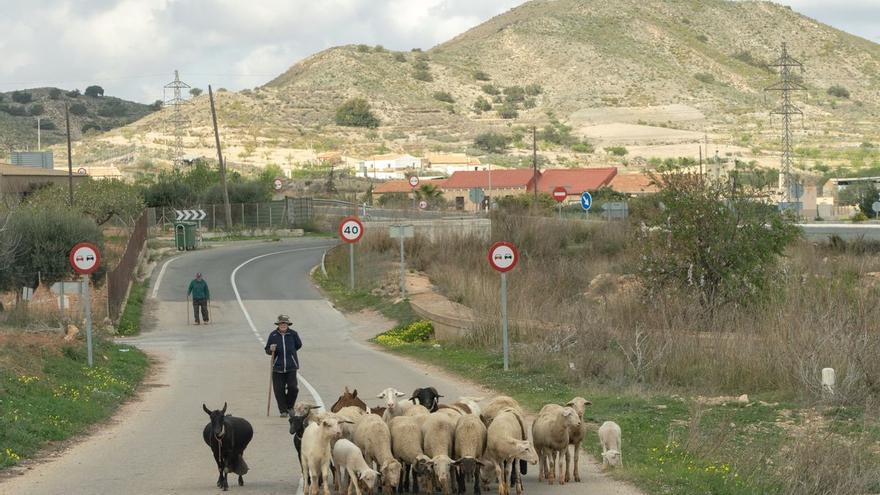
(506, 442)
(393, 408)
(575, 437)
(348, 460)
(609, 438)
(469, 443)
(438, 433)
(373, 436)
(406, 445)
(316, 454)
(550, 434)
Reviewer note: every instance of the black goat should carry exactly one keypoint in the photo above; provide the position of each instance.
(298, 421)
(426, 397)
(227, 436)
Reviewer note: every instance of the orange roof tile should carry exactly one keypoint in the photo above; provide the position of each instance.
(633, 184)
(499, 178)
(576, 180)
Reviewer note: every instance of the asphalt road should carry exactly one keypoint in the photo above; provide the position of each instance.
(154, 444)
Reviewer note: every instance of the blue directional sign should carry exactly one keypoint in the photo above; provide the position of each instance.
(586, 200)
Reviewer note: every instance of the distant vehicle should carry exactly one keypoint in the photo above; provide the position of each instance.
(79, 257)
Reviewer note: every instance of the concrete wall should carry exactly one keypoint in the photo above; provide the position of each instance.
(437, 229)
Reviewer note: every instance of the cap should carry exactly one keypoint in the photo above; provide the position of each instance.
(283, 319)
(199, 275)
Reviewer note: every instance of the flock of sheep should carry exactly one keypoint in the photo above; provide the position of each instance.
(418, 444)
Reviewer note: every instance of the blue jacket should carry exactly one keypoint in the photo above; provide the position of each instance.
(286, 346)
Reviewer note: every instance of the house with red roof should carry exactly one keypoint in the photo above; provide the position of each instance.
(576, 180)
(491, 183)
(403, 187)
(633, 184)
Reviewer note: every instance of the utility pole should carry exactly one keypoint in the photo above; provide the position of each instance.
(535, 162)
(69, 156)
(177, 118)
(39, 143)
(786, 63)
(226, 205)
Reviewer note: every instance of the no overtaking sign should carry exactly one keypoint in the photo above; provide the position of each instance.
(85, 258)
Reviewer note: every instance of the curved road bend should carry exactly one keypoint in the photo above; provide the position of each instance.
(154, 445)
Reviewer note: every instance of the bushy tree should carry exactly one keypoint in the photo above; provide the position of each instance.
(423, 75)
(94, 91)
(714, 239)
(861, 194)
(55, 94)
(444, 96)
(838, 91)
(112, 108)
(156, 106)
(42, 238)
(74, 93)
(78, 109)
(508, 111)
(490, 89)
(356, 112)
(399, 57)
(99, 200)
(481, 76)
(194, 92)
(22, 97)
(36, 109)
(514, 94)
(492, 142)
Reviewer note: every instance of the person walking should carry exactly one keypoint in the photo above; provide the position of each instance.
(282, 345)
(200, 296)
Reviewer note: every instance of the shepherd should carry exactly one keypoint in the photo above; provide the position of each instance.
(200, 296)
(282, 345)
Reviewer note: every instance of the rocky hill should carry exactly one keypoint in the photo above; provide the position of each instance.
(630, 72)
(88, 115)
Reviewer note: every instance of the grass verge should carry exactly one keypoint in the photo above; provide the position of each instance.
(49, 394)
(349, 301)
(130, 323)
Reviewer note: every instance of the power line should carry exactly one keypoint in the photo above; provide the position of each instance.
(786, 85)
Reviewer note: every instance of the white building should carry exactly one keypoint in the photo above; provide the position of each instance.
(391, 162)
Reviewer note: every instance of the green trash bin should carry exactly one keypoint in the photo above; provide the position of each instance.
(185, 235)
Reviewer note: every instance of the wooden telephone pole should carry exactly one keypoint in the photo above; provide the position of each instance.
(226, 206)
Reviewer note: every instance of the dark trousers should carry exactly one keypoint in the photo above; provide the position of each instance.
(200, 303)
(286, 390)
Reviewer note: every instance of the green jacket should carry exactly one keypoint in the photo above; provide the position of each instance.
(199, 289)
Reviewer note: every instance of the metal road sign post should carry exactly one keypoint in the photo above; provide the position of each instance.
(503, 257)
(876, 207)
(351, 230)
(402, 232)
(586, 202)
(85, 259)
(414, 183)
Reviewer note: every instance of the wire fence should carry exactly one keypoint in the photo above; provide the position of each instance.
(283, 214)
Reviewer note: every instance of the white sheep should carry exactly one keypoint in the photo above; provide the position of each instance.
(609, 438)
(550, 434)
(469, 445)
(575, 437)
(316, 454)
(496, 405)
(507, 442)
(373, 436)
(438, 434)
(406, 445)
(416, 410)
(393, 407)
(349, 460)
(353, 414)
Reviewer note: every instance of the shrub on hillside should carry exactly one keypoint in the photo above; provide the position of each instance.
(356, 112)
(492, 142)
(490, 89)
(22, 97)
(423, 75)
(78, 109)
(444, 96)
(705, 77)
(534, 89)
(838, 91)
(74, 93)
(508, 111)
(36, 109)
(14, 110)
(514, 94)
(94, 91)
(379, 49)
(55, 94)
(113, 108)
(481, 76)
(90, 126)
(617, 150)
(482, 105)
(399, 57)
(702, 38)
(47, 125)
(363, 48)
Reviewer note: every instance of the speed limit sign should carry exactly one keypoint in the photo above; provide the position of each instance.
(351, 230)
(413, 181)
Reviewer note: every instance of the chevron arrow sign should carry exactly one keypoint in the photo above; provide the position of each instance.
(183, 215)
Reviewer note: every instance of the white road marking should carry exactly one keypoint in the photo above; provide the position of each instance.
(159, 278)
(299, 377)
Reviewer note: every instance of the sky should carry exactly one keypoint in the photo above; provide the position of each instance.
(132, 47)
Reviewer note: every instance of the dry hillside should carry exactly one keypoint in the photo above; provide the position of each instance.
(684, 65)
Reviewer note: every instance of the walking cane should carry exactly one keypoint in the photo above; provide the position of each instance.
(187, 310)
(269, 399)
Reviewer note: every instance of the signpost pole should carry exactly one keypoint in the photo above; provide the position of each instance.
(87, 310)
(402, 267)
(504, 335)
(351, 263)
(560, 211)
(62, 305)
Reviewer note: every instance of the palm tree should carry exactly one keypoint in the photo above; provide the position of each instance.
(430, 193)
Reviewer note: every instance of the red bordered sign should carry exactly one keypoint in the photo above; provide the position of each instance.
(85, 258)
(503, 256)
(559, 194)
(351, 230)
(413, 181)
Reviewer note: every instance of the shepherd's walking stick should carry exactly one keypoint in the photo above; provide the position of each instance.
(187, 310)
(269, 399)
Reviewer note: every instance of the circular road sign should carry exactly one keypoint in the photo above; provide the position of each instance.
(413, 181)
(876, 206)
(351, 230)
(278, 184)
(503, 256)
(559, 194)
(81, 171)
(85, 258)
(423, 204)
(586, 200)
